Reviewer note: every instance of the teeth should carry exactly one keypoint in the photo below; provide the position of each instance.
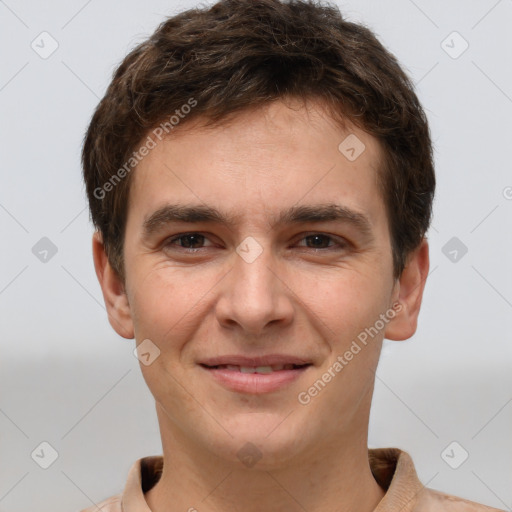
(257, 369)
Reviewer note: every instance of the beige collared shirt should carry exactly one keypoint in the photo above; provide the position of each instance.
(392, 468)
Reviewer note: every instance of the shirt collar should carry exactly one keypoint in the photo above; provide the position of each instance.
(392, 468)
(394, 471)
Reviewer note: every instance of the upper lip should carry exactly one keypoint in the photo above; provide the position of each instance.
(268, 360)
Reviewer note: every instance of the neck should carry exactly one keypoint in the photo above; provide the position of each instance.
(334, 475)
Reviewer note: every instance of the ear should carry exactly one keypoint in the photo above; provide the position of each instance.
(116, 301)
(409, 293)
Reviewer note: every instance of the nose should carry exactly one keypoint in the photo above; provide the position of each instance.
(255, 296)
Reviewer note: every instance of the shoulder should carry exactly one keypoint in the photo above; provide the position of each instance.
(112, 504)
(430, 500)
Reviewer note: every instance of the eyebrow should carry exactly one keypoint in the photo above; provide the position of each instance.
(170, 213)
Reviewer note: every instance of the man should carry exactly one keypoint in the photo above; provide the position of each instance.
(260, 175)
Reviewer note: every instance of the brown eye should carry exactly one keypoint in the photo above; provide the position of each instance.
(318, 241)
(191, 240)
(187, 241)
(323, 241)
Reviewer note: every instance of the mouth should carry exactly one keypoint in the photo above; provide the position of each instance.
(256, 369)
(255, 379)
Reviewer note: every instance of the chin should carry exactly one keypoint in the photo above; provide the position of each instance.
(261, 440)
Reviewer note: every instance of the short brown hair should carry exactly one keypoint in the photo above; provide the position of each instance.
(240, 54)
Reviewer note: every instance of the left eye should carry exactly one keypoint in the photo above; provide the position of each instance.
(319, 240)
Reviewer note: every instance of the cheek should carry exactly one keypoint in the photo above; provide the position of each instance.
(346, 301)
(165, 303)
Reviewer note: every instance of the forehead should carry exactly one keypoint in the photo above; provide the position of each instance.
(260, 161)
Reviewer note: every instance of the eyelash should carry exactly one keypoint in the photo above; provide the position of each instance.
(342, 243)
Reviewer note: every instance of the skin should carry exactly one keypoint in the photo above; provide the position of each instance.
(293, 298)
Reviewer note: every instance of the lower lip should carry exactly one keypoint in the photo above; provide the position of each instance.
(255, 382)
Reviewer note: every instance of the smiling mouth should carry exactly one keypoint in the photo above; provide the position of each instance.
(257, 369)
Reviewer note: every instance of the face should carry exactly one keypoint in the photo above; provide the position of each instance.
(254, 239)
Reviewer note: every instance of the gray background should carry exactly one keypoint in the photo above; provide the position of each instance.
(66, 378)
